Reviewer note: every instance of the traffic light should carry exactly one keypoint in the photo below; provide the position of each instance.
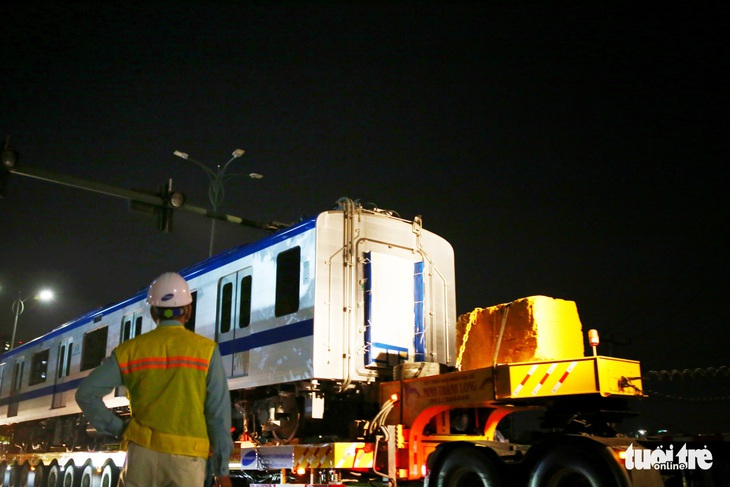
(162, 209)
(172, 200)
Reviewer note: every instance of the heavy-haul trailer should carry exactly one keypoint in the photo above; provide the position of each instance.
(441, 430)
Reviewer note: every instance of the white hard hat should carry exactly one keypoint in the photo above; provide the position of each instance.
(169, 290)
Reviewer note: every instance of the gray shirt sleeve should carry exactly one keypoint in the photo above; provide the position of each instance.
(89, 396)
(218, 415)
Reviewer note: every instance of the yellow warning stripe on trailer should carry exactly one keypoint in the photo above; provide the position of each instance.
(586, 375)
(314, 456)
(334, 455)
(354, 455)
(358, 455)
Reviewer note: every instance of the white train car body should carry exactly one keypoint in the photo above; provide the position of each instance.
(338, 299)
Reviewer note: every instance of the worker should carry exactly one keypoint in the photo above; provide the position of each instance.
(178, 396)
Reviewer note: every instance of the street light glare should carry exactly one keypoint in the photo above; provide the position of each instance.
(19, 306)
(46, 295)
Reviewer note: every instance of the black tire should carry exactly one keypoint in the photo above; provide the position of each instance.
(53, 476)
(570, 466)
(14, 477)
(70, 475)
(466, 467)
(109, 475)
(34, 477)
(86, 475)
(24, 475)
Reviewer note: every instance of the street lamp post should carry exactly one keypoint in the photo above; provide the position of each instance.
(19, 306)
(216, 189)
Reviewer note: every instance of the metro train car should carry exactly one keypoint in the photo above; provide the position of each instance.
(308, 320)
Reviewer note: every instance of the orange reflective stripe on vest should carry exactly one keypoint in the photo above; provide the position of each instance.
(163, 363)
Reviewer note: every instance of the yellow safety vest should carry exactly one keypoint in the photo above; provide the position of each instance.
(165, 372)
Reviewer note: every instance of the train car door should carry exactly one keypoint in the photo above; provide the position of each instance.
(65, 348)
(15, 386)
(234, 320)
(393, 288)
(131, 327)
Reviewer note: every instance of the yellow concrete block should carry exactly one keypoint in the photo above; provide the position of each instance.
(536, 328)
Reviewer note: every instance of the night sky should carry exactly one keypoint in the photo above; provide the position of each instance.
(578, 152)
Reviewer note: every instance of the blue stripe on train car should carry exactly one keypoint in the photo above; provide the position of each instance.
(276, 335)
(43, 391)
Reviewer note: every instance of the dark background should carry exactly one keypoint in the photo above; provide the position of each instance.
(576, 151)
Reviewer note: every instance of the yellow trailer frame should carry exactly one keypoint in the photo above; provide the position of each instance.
(416, 412)
(421, 406)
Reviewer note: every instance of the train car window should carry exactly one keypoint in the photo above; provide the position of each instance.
(68, 357)
(287, 282)
(38, 368)
(93, 350)
(226, 304)
(61, 360)
(126, 328)
(64, 358)
(190, 325)
(17, 374)
(244, 310)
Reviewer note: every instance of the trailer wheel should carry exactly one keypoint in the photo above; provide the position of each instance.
(466, 467)
(69, 475)
(32, 477)
(87, 475)
(109, 475)
(54, 475)
(574, 467)
(23, 476)
(14, 478)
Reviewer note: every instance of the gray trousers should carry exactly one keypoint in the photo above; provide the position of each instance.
(150, 468)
